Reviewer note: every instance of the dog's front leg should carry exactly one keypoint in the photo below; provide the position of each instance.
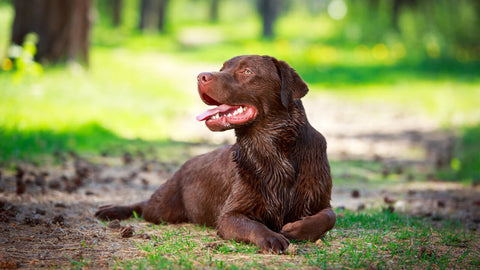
(311, 227)
(241, 228)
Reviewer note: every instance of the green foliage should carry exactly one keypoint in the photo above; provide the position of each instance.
(23, 60)
(469, 159)
(465, 165)
(448, 31)
(448, 23)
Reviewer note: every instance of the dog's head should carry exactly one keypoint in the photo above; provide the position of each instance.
(246, 89)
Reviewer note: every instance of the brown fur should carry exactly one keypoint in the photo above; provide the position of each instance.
(272, 185)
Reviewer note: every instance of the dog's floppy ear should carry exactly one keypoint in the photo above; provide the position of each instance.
(293, 87)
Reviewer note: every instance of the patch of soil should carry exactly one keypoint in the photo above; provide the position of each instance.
(51, 223)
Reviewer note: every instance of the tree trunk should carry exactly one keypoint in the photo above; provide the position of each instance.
(62, 28)
(396, 12)
(269, 10)
(162, 7)
(144, 7)
(117, 12)
(214, 10)
(151, 13)
(397, 7)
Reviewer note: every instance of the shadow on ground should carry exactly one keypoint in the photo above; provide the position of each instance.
(46, 146)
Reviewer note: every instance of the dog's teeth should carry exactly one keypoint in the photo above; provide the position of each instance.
(238, 111)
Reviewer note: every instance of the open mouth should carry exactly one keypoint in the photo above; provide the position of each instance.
(223, 115)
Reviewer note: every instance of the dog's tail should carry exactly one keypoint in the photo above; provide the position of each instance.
(120, 212)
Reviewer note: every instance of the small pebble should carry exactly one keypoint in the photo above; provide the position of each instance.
(145, 236)
(8, 263)
(127, 231)
(292, 249)
(114, 224)
(60, 205)
(319, 243)
(214, 245)
(32, 221)
(59, 220)
(388, 200)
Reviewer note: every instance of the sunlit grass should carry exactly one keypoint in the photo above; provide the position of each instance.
(86, 110)
(116, 93)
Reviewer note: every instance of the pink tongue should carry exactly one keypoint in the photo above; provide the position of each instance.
(209, 113)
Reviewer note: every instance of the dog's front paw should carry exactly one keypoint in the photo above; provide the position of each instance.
(297, 230)
(274, 243)
(111, 212)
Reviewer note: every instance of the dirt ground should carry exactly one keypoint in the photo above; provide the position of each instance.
(46, 219)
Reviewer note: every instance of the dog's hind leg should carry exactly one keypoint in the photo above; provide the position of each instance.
(165, 205)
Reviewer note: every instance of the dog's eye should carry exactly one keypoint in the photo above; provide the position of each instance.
(247, 71)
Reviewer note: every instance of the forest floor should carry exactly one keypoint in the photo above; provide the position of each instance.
(382, 157)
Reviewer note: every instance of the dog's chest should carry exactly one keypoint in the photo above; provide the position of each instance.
(271, 175)
(289, 204)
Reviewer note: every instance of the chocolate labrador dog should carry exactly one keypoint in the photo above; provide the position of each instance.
(273, 185)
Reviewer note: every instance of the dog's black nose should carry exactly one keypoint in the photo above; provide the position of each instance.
(204, 77)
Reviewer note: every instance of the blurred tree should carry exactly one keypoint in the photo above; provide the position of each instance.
(144, 6)
(117, 12)
(161, 11)
(397, 6)
(214, 10)
(269, 10)
(151, 12)
(62, 27)
(110, 9)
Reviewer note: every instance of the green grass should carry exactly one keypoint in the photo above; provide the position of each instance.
(112, 104)
(368, 239)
